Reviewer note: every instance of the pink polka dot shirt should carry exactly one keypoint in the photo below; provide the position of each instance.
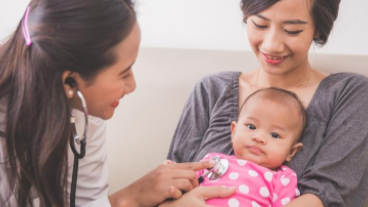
(257, 186)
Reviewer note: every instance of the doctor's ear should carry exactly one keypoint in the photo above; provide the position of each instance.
(69, 83)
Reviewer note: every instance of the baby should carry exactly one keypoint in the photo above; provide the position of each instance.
(265, 136)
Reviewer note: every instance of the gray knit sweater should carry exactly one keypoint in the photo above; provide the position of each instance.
(333, 163)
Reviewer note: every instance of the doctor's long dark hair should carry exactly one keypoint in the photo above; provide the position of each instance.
(75, 35)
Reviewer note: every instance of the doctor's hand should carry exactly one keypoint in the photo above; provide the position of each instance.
(164, 182)
(198, 196)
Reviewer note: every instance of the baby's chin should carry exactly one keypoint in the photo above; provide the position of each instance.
(260, 162)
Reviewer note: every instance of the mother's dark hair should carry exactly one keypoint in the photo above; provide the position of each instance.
(74, 35)
(323, 12)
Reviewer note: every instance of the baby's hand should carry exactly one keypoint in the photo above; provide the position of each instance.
(169, 162)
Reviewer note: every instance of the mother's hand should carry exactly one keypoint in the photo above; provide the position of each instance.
(166, 181)
(198, 196)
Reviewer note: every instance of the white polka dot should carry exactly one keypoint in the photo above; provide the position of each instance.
(285, 181)
(264, 192)
(274, 197)
(284, 168)
(242, 162)
(233, 202)
(252, 173)
(268, 176)
(285, 201)
(297, 192)
(244, 189)
(224, 162)
(233, 175)
(255, 204)
(206, 155)
(293, 174)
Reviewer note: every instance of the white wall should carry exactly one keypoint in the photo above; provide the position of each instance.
(11, 11)
(213, 24)
(217, 24)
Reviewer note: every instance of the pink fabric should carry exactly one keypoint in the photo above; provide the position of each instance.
(256, 185)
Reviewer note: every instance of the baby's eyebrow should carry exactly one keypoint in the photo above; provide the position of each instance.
(251, 118)
(279, 128)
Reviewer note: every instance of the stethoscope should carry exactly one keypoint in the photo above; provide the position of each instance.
(214, 173)
(218, 170)
(82, 142)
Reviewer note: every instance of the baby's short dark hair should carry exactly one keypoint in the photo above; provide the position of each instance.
(281, 96)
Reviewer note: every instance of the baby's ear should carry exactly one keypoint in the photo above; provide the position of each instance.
(233, 128)
(296, 148)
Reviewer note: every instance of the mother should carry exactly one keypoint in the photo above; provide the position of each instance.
(332, 167)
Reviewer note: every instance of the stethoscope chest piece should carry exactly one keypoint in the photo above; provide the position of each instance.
(219, 169)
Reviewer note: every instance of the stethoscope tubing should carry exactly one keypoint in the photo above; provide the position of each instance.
(82, 142)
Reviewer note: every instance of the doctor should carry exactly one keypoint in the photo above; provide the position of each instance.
(59, 49)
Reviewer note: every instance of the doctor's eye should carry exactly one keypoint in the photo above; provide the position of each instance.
(126, 76)
(275, 135)
(251, 126)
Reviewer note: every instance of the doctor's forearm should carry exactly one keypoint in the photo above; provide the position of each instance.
(306, 200)
(122, 198)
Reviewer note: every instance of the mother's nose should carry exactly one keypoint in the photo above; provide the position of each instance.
(273, 42)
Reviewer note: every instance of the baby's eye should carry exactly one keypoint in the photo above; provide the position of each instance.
(251, 126)
(275, 135)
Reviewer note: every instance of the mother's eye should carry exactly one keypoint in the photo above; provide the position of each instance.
(296, 32)
(259, 26)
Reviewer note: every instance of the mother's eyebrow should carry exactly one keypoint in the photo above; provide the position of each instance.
(293, 21)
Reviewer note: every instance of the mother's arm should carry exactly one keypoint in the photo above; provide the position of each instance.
(192, 126)
(338, 175)
(306, 200)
